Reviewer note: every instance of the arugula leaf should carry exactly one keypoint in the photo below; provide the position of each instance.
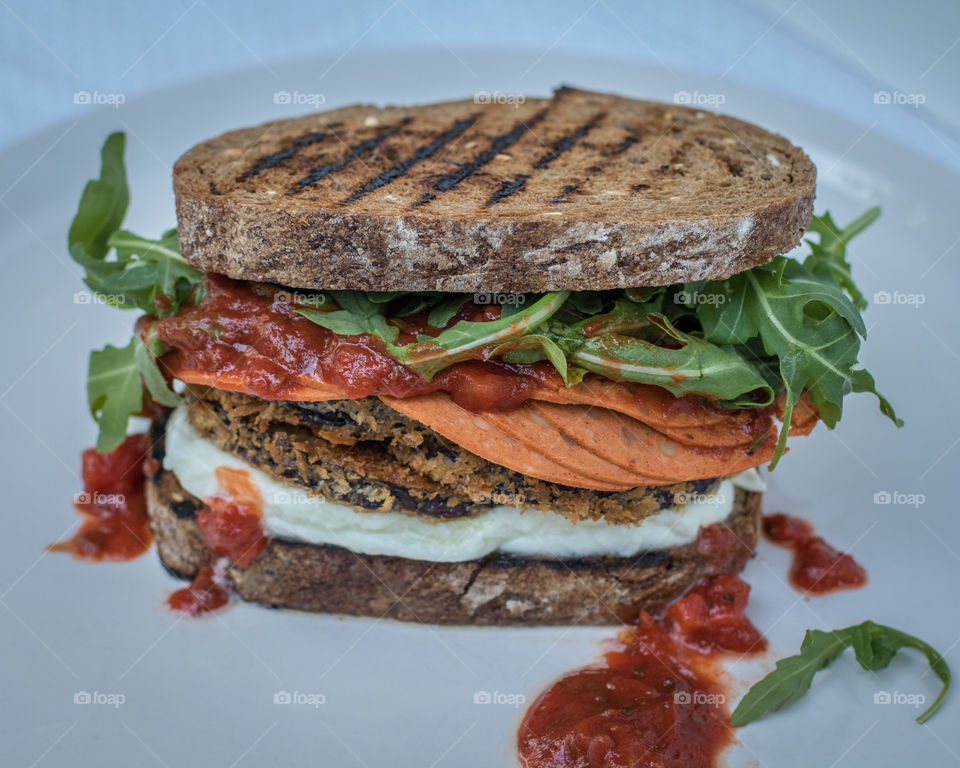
(694, 366)
(103, 203)
(530, 349)
(874, 646)
(114, 392)
(804, 320)
(625, 317)
(466, 338)
(443, 313)
(115, 388)
(149, 275)
(828, 257)
(145, 355)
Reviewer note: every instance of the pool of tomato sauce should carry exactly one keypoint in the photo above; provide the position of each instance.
(657, 698)
(242, 329)
(817, 567)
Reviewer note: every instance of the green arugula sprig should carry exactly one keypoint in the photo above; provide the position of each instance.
(874, 645)
(782, 326)
(149, 275)
(803, 319)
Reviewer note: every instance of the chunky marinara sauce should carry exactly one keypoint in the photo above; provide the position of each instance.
(244, 332)
(112, 506)
(817, 567)
(242, 328)
(656, 700)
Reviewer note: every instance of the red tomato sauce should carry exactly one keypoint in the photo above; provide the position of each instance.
(656, 700)
(817, 567)
(230, 525)
(114, 522)
(242, 328)
(205, 594)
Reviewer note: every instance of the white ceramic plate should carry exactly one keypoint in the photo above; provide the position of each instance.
(201, 693)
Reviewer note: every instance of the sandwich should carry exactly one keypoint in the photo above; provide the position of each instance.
(473, 363)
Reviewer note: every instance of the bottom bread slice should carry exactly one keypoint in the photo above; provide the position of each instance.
(498, 589)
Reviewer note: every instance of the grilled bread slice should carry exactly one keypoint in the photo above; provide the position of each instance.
(581, 191)
(495, 590)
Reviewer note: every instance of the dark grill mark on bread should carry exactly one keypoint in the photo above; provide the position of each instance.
(354, 152)
(568, 190)
(564, 196)
(718, 208)
(507, 188)
(624, 145)
(564, 143)
(499, 144)
(422, 152)
(561, 145)
(276, 158)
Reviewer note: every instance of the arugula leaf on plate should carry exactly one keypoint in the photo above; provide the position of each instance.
(874, 646)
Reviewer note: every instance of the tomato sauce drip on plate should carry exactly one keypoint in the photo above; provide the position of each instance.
(656, 700)
(115, 525)
(817, 567)
(207, 593)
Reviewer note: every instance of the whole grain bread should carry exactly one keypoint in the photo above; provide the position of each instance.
(494, 590)
(580, 191)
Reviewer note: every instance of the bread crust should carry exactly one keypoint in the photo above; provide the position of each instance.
(495, 590)
(583, 191)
